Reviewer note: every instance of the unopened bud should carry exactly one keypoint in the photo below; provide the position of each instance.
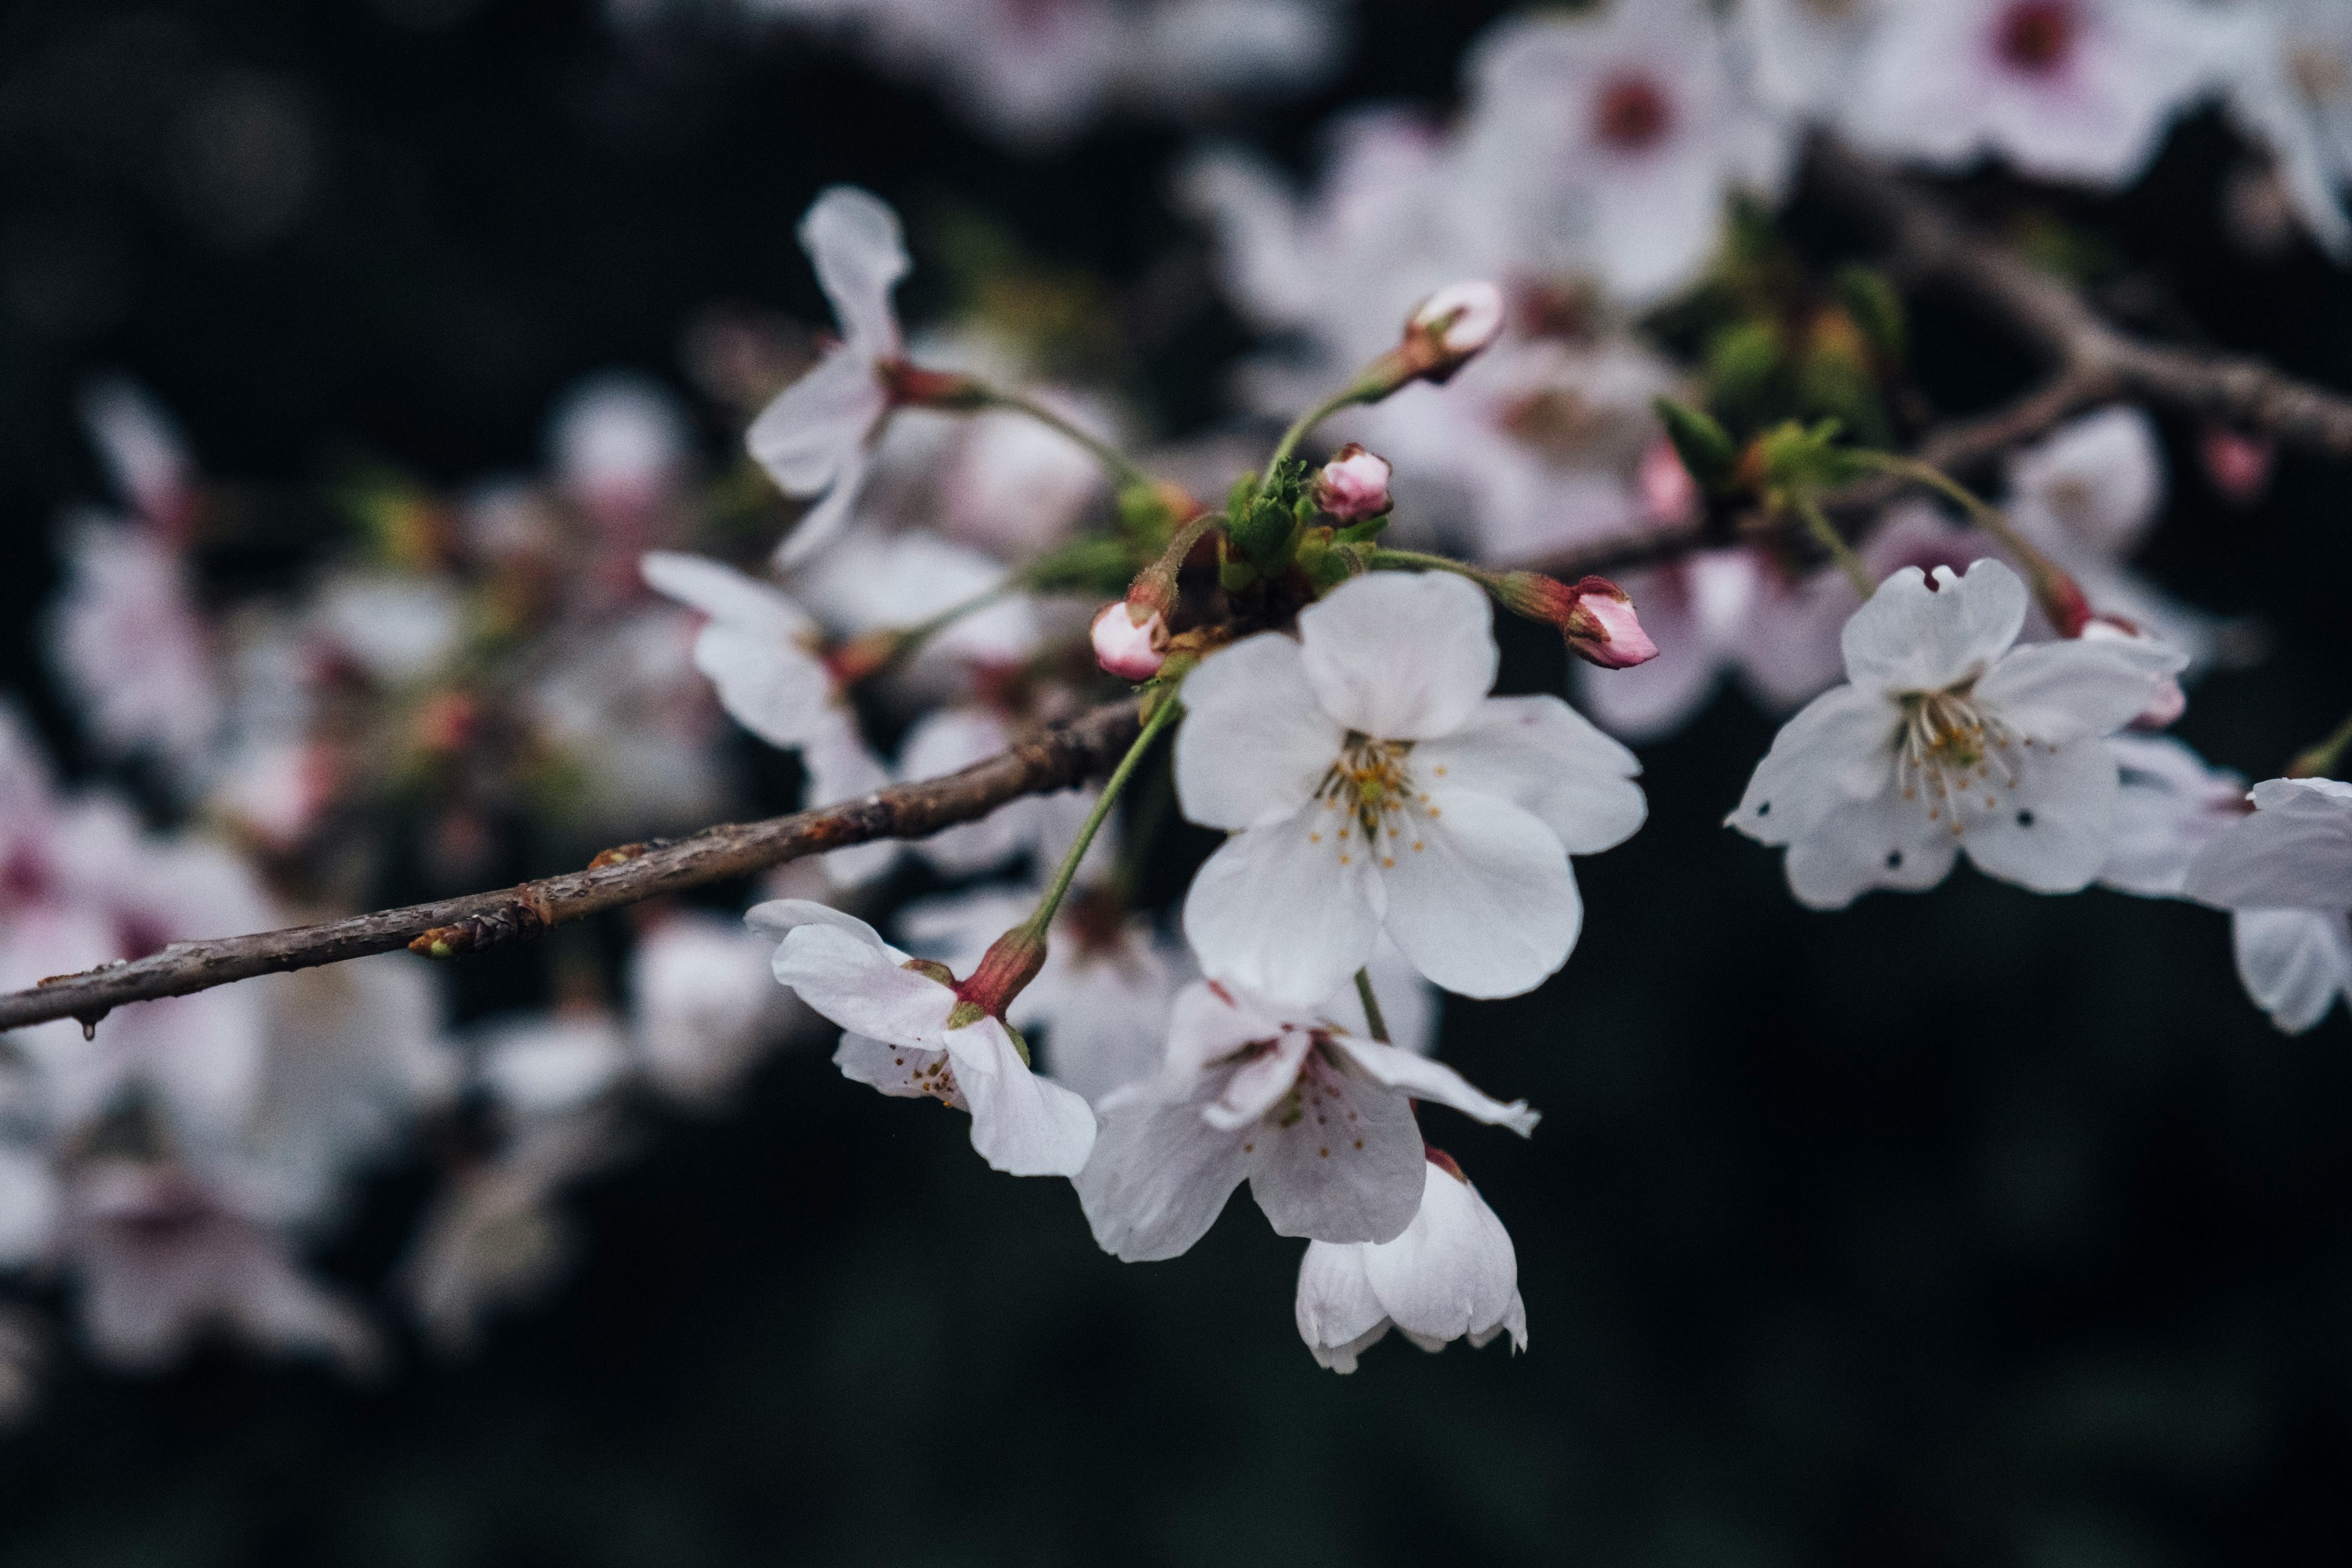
(1459, 319)
(2238, 464)
(1011, 963)
(1353, 485)
(1594, 615)
(1130, 648)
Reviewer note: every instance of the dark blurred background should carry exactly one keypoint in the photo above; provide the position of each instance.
(1970, 1228)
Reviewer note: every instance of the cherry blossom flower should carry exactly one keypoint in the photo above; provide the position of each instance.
(132, 649)
(816, 438)
(2169, 805)
(1319, 1123)
(1125, 647)
(901, 1039)
(1372, 784)
(2290, 89)
(2286, 871)
(1800, 57)
(1354, 485)
(144, 452)
(2068, 89)
(1947, 738)
(758, 648)
(1608, 142)
(1451, 1275)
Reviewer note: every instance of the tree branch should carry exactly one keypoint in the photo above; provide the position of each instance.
(1060, 756)
(2094, 360)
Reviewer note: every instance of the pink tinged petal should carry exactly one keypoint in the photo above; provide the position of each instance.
(1541, 754)
(1252, 1088)
(853, 239)
(2294, 852)
(723, 593)
(1256, 744)
(752, 649)
(1453, 1272)
(902, 1072)
(1426, 1079)
(2060, 691)
(1020, 1124)
(1911, 637)
(1888, 842)
(1340, 1161)
(2051, 831)
(1837, 752)
(1209, 1022)
(1125, 647)
(1338, 1315)
(1158, 1175)
(826, 522)
(814, 434)
(853, 983)
(1400, 656)
(2295, 963)
(1480, 897)
(1277, 913)
(779, 918)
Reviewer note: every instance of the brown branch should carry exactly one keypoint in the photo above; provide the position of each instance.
(2094, 360)
(1057, 758)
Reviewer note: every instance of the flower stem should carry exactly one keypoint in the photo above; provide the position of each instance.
(1122, 469)
(2319, 762)
(1381, 559)
(1372, 1019)
(1829, 538)
(1360, 392)
(2061, 597)
(1162, 715)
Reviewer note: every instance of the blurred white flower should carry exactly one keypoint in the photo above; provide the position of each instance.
(144, 451)
(2290, 89)
(2169, 805)
(1320, 1124)
(1371, 784)
(1800, 57)
(620, 446)
(396, 626)
(1452, 1274)
(1949, 736)
(703, 1004)
(547, 1065)
(2286, 871)
(132, 647)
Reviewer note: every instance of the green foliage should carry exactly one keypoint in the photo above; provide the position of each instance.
(1704, 445)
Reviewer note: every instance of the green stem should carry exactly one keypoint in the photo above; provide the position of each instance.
(2051, 585)
(1359, 393)
(2319, 762)
(1384, 559)
(1143, 828)
(1372, 1019)
(1121, 467)
(1042, 920)
(1831, 539)
(909, 638)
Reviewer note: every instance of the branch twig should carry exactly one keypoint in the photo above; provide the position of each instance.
(1059, 757)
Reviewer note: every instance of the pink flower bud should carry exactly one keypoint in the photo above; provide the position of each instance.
(1127, 647)
(1354, 485)
(1668, 493)
(1463, 318)
(1595, 615)
(2238, 464)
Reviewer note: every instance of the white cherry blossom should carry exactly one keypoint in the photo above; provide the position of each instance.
(2286, 871)
(1452, 1274)
(2290, 89)
(899, 1040)
(817, 436)
(1949, 736)
(703, 1005)
(1800, 57)
(134, 652)
(1370, 783)
(1319, 1122)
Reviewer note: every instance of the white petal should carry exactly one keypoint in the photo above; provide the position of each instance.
(853, 237)
(1426, 1079)
(1838, 752)
(1888, 842)
(1277, 912)
(902, 1072)
(851, 981)
(1480, 895)
(1208, 1022)
(1400, 656)
(2295, 963)
(1910, 637)
(814, 433)
(2169, 806)
(779, 918)
(1251, 1090)
(829, 518)
(1342, 1161)
(1255, 743)
(1541, 754)
(1021, 1123)
(723, 593)
(2059, 691)
(1159, 1177)
(1453, 1271)
(2051, 833)
(2294, 852)
(1336, 1307)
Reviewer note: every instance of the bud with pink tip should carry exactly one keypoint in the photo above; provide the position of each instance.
(1353, 485)
(2238, 464)
(1596, 616)
(1127, 647)
(1460, 319)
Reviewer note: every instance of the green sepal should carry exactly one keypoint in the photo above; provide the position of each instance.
(1364, 532)
(1876, 309)
(1095, 567)
(1704, 445)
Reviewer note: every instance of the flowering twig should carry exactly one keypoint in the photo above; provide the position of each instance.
(1057, 758)
(2097, 360)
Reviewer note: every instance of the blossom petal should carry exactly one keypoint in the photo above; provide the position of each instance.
(1252, 1088)
(1426, 1079)
(827, 521)
(1888, 842)
(842, 767)
(2295, 963)
(1022, 1124)
(1277, 913)
(1480, 896)
(902, 1072)
(2294, 852)
(1541, 754)
(1400, 656)
(815, 431)
(1838, 752)
(1911, 637)
(1338, 1315)
(2060, 691)
(2051, 832)
(780, 918)
(1256, 744)
(1454, 1270)
(1159, 1177)
(851, 981)
(1342, 1163)
(853, 239)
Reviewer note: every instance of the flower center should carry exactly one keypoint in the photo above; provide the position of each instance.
(1956, 752)
(1632, 114)
(2036, 35)
(1371, 799)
